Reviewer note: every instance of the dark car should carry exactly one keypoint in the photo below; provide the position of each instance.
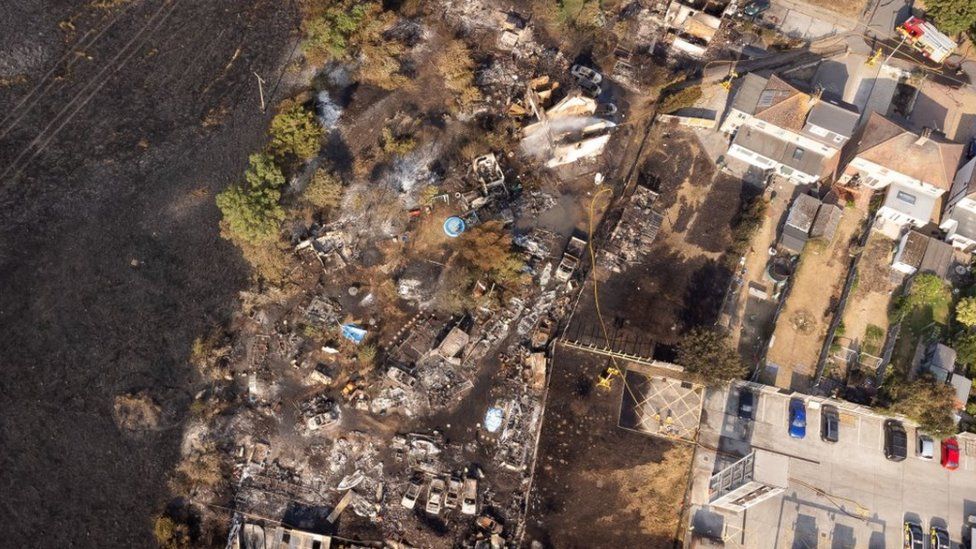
(829, 424)
(753, 9)
(938, 538)
(895, 440)
(747, 404)
(914, 536)
(798, 418)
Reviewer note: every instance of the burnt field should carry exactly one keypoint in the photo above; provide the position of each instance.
(683, 275)
(118, 127)
(596, 484)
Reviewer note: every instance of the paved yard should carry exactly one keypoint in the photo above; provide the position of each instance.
(844, 494)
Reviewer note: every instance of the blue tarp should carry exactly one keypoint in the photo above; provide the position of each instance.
(353, 333)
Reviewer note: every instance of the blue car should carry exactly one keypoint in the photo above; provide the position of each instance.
(798, 419)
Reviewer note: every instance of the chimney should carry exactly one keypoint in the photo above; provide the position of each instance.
(815, 96)
(923, 138)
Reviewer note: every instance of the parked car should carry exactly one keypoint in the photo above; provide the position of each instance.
(754, 8)
(829, 423)
(950, 453)
(582, 72)
(591, 89)
(413, 492)
(895, 440)
(913, 536)
(435, 496)
(938, 538)
(925, 446)
(606, 109)
(747, 403)
(798, 418)
(469, 496)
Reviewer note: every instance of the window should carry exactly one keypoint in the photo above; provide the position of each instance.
(797, 153)
(905, 197)
(871, 181)
(760, 125)
(838, 138)
(787, 171)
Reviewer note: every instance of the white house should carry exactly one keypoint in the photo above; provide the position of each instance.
(959, 219)
(780, 128)
(916, 168)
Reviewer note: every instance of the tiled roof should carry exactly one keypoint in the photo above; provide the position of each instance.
(891, 146)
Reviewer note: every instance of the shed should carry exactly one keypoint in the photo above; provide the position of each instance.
(825, 225)
(800, 220)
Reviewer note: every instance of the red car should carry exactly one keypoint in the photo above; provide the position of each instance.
(950, 454)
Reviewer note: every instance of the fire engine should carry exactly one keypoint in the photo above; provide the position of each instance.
(924, 37)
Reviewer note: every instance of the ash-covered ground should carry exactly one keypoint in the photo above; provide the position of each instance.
(118, 125)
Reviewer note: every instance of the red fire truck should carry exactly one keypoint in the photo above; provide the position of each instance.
(924, 37)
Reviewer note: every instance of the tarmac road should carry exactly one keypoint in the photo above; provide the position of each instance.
(110, 258)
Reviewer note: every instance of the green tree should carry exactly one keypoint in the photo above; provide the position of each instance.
(488, 248)
(965, 346)
(252, 210)
(924, 400)
(926, 290)
(966, 312)
(709, 356)
(324, 190)
(952, 16)
(330, 27)
(295, 132)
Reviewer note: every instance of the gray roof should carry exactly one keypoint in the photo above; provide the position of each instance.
(793, 239)
(937, 258)
(833, 117)
(921, 209)
(803, 212)
(963, 386)
(784, 152)
(912, 249)
(825, 225)
(966, 220)
(746, 97)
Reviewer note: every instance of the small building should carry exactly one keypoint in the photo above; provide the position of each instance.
(940, 362)
(751, 480)
(921, 253)
(809, 218)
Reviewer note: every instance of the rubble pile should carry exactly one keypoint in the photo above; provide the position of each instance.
(634, 233)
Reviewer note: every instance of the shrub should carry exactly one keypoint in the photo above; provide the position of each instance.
(924, 400)
(171, 534)
(330, 30)
(324, 190)
(294, 132)
(487, 248)
(925, 290)
(965, 346)
(457, 68)
(685, 97)
(952, 16)
(396, 144)
(966, 312)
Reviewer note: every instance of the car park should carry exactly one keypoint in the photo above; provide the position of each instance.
(798, 418)
(938, 538)
(469, 496)
(950, 453)
(913, 536)
(435, 496)
(925, 446)
(829, 423)
(414, 488)
(895, 440)
(747, 403)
